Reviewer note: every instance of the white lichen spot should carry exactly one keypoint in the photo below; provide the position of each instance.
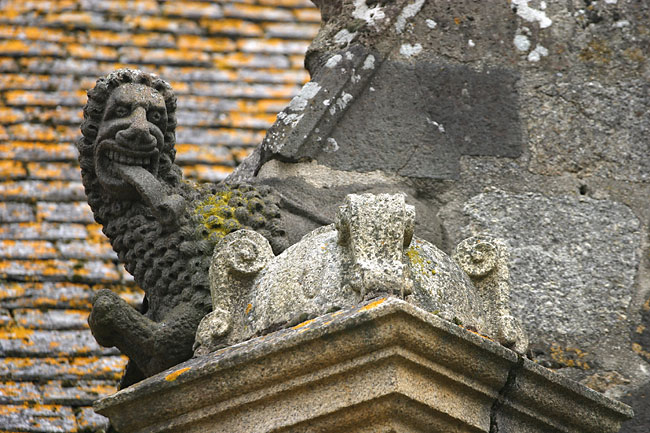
(409, 50)
(349, 55)
(355, 78)
(441, 128)
(344, 37)
(330, 145)
(372, 89)
(407, 13)
(542, 5)
(521, 42)
(333, 61)
(369, 63)
(471, 43)
(622, 23)
(369, 15)
(308, 91)
(611, 2)
(292, 119)
(530, 14)
(341, 103)
(327, 102)
(431, 24)
(537, 54)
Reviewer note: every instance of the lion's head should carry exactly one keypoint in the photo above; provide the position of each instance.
(129, 119)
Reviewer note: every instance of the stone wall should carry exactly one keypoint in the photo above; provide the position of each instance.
(527, 120)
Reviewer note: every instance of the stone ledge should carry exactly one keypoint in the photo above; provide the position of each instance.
(383, 366)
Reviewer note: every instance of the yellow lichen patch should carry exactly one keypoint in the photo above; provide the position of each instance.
(637, 348)
(569, 356)
(173, 376)
(300, 325)
(596, 51)
(216, 215)
(249, 307)
(646, 305)
(372, 305)
(640, 329)
(416, 259)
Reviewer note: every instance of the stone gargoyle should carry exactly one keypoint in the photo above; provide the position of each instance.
(163, 228)
(369, 252)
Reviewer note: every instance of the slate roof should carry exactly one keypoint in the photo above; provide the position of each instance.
(234, 65)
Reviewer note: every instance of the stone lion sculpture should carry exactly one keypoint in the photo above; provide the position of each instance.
(163, 229)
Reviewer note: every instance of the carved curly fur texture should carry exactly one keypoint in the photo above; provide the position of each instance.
(170, 263)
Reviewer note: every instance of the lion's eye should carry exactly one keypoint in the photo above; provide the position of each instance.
(121, 111)
(155, 116)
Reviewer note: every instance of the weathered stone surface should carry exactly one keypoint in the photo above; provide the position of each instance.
(573, 265)
(378, 365)
(370, 251)
(591, 246)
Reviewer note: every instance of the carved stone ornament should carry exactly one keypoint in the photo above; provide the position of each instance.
(370, 252)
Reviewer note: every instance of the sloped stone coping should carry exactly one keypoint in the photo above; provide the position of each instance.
(382, 366)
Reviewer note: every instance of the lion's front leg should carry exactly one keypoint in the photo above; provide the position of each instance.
(114, 323)
(153, 346)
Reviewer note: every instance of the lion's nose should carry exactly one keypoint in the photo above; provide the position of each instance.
(137, 134)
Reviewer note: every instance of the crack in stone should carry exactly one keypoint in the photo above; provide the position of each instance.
(503, 394)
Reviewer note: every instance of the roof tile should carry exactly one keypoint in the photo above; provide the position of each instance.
(19, 342)
(38, 132)
(10, 115)
(31, 151)
(231, 27)
(242, 60)
(207, 173)
(192, 9)
(160, 23)
(59, 294)
(289, 30)
(76, 212)
(193, 42)
(11, 170)
(31, 97)
(12, 249)
(16, 47)
(221, 137)
(16, 212)
(256, 12)
(34, 418)
(96, 52)
(27, 190)
(51, 319)
(87, 249)
(89, 420)
(91, 367)
(35, 33)
(164, 56)
(272, 46)
(53, 170)
(42, 230)
(60, 270)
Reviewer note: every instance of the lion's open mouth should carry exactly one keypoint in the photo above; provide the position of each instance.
(110, 155)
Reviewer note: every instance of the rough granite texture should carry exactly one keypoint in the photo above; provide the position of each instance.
(525, 120)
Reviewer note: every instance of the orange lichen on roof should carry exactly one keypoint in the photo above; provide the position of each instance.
(24, 150)
(194, 42)
(11, 170)
(232, 26)
(88, 51)
(158, 23)
(35, 33)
